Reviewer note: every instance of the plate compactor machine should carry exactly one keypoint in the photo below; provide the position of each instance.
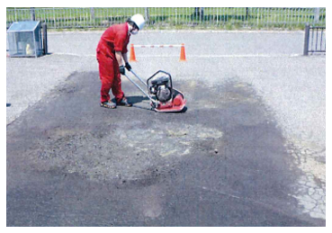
(163, 97)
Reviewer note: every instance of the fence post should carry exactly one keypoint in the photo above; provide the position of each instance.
(202, 13)
(54, 17)
(45, 48)
(257, 16)
(316, 19)
(33, 13)
(92, 14)
(247, 13)
(147, 16)
(196, 11)
(306, 40)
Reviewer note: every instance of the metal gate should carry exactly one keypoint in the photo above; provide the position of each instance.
(314, 40)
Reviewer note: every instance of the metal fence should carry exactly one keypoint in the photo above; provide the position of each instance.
(314, 40)
(166, 17)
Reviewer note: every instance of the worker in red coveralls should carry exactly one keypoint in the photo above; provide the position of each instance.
(112, 58)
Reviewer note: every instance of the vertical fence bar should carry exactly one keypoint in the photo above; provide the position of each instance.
(92, 15)
(187, 16)
(80, 17)
(45, 46)
(176, 19)
(84, 17)
(108, 17)
(67, 21)
(257, 17)
(87, 18)
(70, 20)
(44, 15)
(162, 16)
(217, 15)
(321, 39)
(316, 15)
(54, 18)
(316, 41)
(267, 16)
(261, 16)
(287, 17)
(225, 15)
(59, 17)
(325, 40)
(312, 39)
(264, 13)
(306, 39)
(222, 16)
(33, 13)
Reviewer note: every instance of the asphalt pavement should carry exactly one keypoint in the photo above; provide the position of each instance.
(249, 150)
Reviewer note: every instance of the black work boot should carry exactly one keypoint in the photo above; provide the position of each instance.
(124, 102)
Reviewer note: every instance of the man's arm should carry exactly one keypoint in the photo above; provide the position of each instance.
(125, 57)
(119, 57)
(122, 57)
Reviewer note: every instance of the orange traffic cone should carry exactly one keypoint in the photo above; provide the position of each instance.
(132, 57)
(183, 53)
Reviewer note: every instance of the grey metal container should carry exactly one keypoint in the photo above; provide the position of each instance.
(24, 39)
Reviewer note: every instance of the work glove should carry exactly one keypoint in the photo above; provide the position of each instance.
(122, 70)
(128, 66)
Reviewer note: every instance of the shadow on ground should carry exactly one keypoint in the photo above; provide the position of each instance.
(221, 163)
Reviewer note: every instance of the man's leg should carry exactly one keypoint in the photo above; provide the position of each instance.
(106, 74)
(118, 93)
(116, 87)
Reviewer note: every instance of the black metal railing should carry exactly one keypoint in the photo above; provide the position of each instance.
(314, 40)
(172, 17)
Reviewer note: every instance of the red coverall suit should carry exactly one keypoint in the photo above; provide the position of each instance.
(114, 39)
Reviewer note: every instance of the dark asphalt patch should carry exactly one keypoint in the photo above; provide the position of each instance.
(72, 163)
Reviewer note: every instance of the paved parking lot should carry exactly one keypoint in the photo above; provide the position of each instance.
(239, 85)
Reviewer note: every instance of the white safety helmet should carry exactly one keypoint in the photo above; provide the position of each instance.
(138, 19)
